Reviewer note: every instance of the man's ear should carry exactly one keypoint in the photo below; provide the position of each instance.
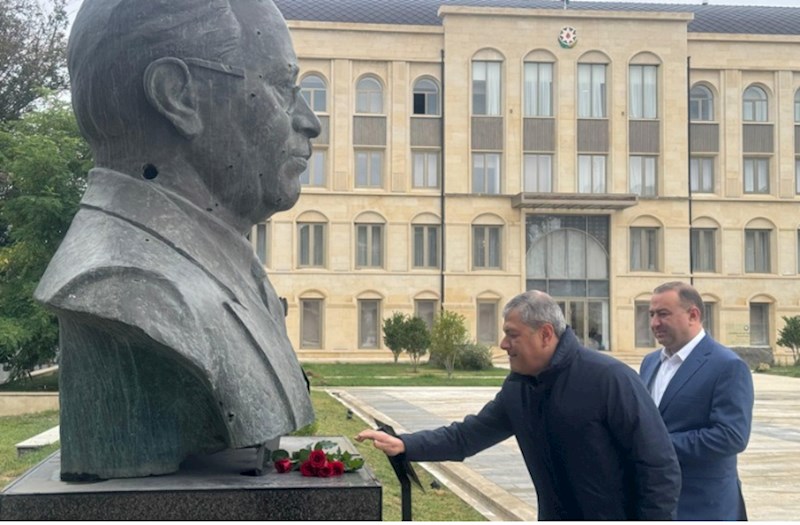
(169, 88)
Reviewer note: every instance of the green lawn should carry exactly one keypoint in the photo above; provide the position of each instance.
(790, 371)
(397, 374)
(432, 505)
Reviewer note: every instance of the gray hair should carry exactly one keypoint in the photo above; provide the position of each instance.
(537, 308)
(687, 294)
(112, 43)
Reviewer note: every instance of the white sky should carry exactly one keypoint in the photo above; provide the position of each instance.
(73, 5)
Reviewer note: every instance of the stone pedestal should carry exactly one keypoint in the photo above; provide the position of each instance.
(206, 488)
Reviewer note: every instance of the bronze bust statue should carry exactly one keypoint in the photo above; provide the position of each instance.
(173, 340)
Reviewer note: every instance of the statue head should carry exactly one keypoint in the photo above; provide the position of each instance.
(197, 96)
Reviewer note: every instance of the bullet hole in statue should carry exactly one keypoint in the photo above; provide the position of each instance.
(149, 172)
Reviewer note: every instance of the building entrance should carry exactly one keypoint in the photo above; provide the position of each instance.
(567, 257)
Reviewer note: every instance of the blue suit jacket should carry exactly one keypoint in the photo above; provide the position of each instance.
(708, 409)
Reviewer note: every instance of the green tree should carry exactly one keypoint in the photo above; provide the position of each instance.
(393, 333)
(33, 46)
(448, 336)
(43, 162)
(790, 336)
(418, 339)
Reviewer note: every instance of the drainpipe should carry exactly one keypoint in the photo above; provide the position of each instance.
(689, 150)
(441, 195)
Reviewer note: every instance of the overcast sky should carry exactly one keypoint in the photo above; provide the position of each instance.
(73, 5)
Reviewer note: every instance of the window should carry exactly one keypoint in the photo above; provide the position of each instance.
(643, 92)
(701, 170)
(797, 106)
(426, 246)
(486, 247)
(709, 313)
(538, 89)
(704, 249)
(314, 175)
(755, 105)
(314, 90)
(369, 168)
(311, 244)
(311, 323)
(426, 309)
(756, 175)
(369, 245)
(486, 88)
(701, 104)
(797, 175)
(757, 251)
(644, 249)
(368, 323)
(592, 91)
(591, 173)
(644, 336)
(486, 173)
(369, 96)
(643, 176)
(759, 324)
(261, 244)
(487, 322)
(425, 169)
(426, 97)
(538, 176)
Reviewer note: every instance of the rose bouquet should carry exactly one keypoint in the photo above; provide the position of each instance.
(318, 459)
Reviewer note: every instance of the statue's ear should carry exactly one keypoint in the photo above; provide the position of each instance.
(170, 90)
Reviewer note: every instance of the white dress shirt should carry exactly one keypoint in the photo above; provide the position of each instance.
(670, 365)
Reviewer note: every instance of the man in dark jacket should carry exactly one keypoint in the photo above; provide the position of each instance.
(592, 439)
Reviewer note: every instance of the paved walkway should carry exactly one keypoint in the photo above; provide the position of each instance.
(496, 483)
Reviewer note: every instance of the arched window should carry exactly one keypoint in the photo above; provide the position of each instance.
(426, 97)
(369, 96)
(701, 103)
(315, 91)
(797, 106)
(754, 105)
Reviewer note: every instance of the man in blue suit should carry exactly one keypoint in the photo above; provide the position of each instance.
(704, 392)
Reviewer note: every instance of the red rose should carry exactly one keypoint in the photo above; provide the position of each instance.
(337, 468)
(317, 458)
(283, 465)
(325, 471)
(307, 469)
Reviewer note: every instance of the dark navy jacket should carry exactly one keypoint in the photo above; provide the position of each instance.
(592, 438)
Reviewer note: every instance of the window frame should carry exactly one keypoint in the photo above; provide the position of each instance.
(481, 322)
(645, 107)
(541, 183)
(316, 255)
(365, 256)
(365, 180)
(537, 93)
(593, 176)
(643, 175)
(755, 104)
(701, 104)
(757, 256)
(763, 331)
(492, 90)
(755, 170)
(312, 93)
(317, 167)
(489, 233)
(427, 97)
(592, 105)
(426, 255)
(484, 177)
(642, 310)
(369, 99)
(426, 165)
(700, 180)
(648, 239)
(362, 344)
(701, 245)
(320, 323)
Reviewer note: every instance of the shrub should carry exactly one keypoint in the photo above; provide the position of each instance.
(474, 356)
(448, 336)
(790, 336)
(393, 333)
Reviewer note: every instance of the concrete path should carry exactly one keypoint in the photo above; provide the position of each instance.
(497, 484)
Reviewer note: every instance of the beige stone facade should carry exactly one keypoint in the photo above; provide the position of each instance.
(748, 232)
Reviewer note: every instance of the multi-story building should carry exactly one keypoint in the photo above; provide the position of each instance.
(474, 149)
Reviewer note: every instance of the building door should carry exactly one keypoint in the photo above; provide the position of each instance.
(567, 257)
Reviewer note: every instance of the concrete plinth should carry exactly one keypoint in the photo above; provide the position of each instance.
(206, 488)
